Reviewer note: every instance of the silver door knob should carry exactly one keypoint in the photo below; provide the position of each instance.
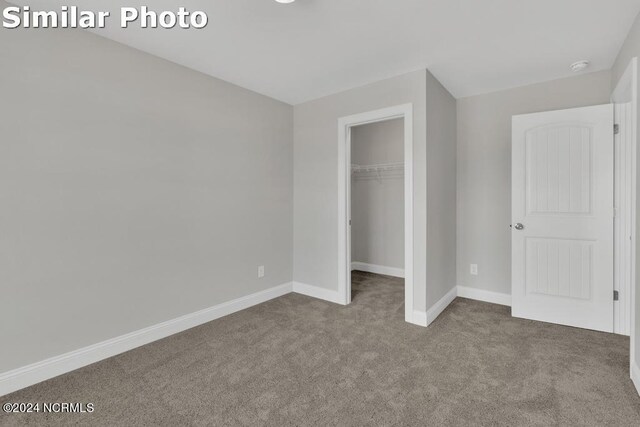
(519, 226)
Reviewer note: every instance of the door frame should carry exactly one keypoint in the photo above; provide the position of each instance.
(626, 93)
(626, 90)
(345, 124)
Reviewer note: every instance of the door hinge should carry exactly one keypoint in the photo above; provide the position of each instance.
(616, 296)
(616, 129)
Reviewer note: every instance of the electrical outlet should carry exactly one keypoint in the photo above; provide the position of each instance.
(474, 269)
(261, 272)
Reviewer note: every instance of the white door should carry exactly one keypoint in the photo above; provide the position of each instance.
(562, 217)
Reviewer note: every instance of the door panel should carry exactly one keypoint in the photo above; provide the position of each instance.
(559, 167)
(559, 267)
(562, 256)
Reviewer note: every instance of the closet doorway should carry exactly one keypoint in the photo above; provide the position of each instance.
(376, 198)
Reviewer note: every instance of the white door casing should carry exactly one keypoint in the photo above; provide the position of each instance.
(624, 177)
(624, 98)
(344, 201)
(562, 195)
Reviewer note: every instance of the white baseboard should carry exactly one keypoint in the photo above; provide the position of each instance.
(419, 318)
(635, 376)
(440, 306)
(37, 372)
(40, 371)
(425, 318)
(486, 296)
(318, 292)
(377, 269)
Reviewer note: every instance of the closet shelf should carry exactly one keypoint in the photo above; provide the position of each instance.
(382, 167)
(378, 172)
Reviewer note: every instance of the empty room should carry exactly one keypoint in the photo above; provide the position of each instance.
(319, 212)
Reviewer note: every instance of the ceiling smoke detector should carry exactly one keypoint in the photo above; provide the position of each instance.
(576, 67)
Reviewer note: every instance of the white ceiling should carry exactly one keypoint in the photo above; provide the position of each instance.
(312, 48)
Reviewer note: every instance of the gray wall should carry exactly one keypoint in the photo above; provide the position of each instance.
(377, 205)
(441, 190)
(630, 49)
(133, 191)
(315, 181)
(484, 169)
(316, 177)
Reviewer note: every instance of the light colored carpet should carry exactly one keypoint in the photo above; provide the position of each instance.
(300, 361)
